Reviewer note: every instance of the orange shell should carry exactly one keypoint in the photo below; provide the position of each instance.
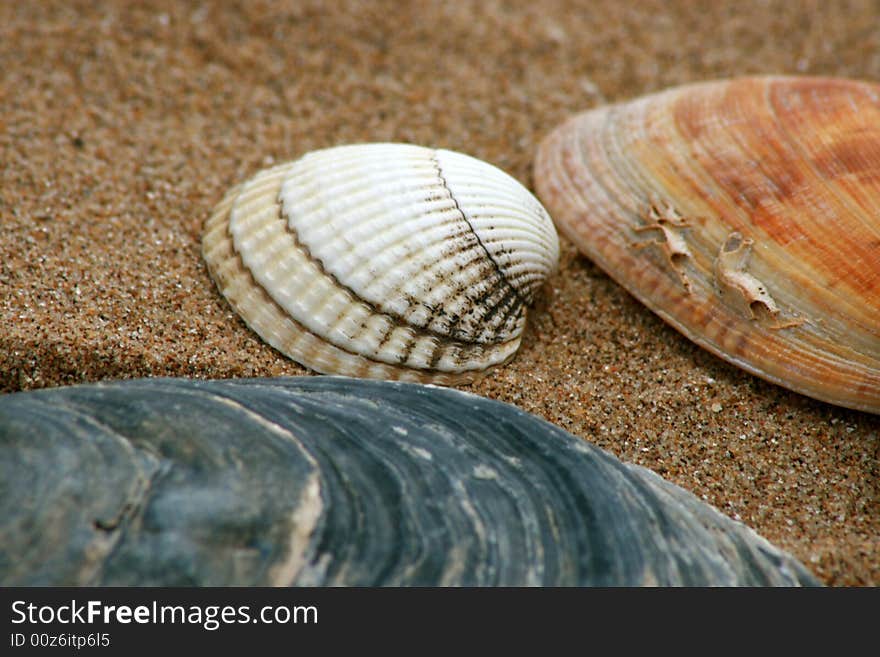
(746, 213)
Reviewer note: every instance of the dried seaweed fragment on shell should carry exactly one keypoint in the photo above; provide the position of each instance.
(775, 186)
(339, 482)
(383, 260)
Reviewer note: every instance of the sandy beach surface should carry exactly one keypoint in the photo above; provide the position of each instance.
(122, 124)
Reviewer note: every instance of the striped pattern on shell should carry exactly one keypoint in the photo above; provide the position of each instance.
(333, 481)
(746, 213)
(383, 260)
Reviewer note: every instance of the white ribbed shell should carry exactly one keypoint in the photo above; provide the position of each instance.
(383, 260)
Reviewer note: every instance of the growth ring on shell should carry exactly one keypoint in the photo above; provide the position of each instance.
(385, 261)
(331, 481)
(745, 213)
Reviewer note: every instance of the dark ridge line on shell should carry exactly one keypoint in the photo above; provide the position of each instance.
(443, 182)
(395, 319)
(454, 321)
(510, 302)
(436, 311)
(477, 303)
(395, 322)
(267, 297)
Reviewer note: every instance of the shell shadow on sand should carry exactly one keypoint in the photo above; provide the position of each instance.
(335, 481)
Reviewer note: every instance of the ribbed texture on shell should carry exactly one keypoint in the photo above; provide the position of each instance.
(383, 260)
(788, 165)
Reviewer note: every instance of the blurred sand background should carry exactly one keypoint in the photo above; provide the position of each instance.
(123, 123)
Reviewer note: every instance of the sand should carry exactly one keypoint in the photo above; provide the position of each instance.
(122, 124)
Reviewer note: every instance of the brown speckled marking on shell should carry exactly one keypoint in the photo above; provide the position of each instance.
(383, 261)
(787, 168)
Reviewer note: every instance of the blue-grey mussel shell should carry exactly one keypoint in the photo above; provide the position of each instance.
(333, 481)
